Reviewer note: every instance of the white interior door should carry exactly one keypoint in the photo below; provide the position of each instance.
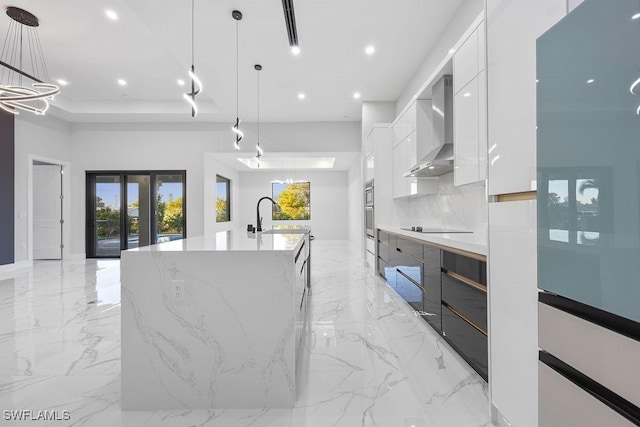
(47, 212)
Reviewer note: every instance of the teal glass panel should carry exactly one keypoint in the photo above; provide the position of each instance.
(588, 154)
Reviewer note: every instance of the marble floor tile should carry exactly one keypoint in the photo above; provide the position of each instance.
(367, 359)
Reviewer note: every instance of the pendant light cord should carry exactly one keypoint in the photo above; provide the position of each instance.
(258, 108)
(193, 8)
(237, 78)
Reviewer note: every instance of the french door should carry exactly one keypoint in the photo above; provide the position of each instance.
(130, 209)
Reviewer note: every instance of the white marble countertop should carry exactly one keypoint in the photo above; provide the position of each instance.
(470, 242)
(229, 241)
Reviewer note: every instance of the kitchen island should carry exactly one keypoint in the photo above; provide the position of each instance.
(214, 321)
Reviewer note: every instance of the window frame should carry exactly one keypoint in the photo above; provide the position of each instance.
(227, 181)
(289, 183)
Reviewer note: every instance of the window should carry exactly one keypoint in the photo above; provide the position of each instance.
(132, 209)
(223, 199)
(293, 201)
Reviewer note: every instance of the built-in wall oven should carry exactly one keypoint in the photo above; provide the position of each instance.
(368, 221)
(368, 194)
(368, 209)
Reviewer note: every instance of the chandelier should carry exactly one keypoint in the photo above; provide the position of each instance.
(22, 62)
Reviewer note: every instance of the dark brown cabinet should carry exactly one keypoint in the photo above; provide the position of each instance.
(446, 289)
(432, 304)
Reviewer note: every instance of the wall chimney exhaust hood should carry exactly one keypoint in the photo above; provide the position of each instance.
(439, 160)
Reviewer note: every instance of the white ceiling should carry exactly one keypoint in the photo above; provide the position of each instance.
(150, 47)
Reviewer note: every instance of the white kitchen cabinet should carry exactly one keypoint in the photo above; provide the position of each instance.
(367, 146)
(412, 153)
(424, 128)
(404, 157)
(512, 29)
(465, 62)
(399, 162)
(400, 130)
(482, 126)
(414, 146)
(470, 132)
(410, 119)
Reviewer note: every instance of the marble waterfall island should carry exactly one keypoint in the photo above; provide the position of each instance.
(214, 321)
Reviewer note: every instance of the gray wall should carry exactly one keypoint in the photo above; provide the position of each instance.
(7, 168)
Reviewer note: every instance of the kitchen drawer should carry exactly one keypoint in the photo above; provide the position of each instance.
(410, 247)
(464, 266)
(383, 236)
(383, 251)
(468, 301)
(470, 343)
(405, 287)
(383, 268)
(410, 267)
(432, 300)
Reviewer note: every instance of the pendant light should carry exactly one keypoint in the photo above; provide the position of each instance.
(195, 81)
(22, 57)
(259, 151)
(237, 15)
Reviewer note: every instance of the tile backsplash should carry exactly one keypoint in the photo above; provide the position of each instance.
(463, 207)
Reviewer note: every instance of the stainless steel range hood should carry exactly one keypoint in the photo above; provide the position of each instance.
(439, 160)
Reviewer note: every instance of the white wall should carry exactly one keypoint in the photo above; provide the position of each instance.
(328, 201)
(147, 146)
(376, 112)
(462, 19)
(43, 137)
(212, 167)
(355, 205)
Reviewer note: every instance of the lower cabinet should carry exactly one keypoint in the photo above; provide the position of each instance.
(432, 303)
(446, 289)
(467, 340)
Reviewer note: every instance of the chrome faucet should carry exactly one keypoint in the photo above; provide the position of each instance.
(258, 218)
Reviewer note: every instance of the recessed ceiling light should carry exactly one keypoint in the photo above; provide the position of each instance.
(122, 82)
(356, 95)
(590, 81)
(301, 96)
(62, 82)
(111, 15)
(180, 82)
(295, 50)
(636, 16)
(370, 50)
(466, 95)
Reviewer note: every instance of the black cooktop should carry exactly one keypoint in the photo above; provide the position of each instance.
(432, 230)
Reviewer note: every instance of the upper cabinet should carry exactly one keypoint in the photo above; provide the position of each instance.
(469, 118)
(400, 129)
(512, 29)
(416, 130)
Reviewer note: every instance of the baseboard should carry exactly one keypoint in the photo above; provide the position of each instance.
(16, 265)
(497, 419)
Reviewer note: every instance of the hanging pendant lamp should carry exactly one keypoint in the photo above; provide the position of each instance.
(237, 15)
(195, 81)
(259, 151)
(22, 57)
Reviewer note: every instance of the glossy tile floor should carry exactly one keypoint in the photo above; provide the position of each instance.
(368, 361)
